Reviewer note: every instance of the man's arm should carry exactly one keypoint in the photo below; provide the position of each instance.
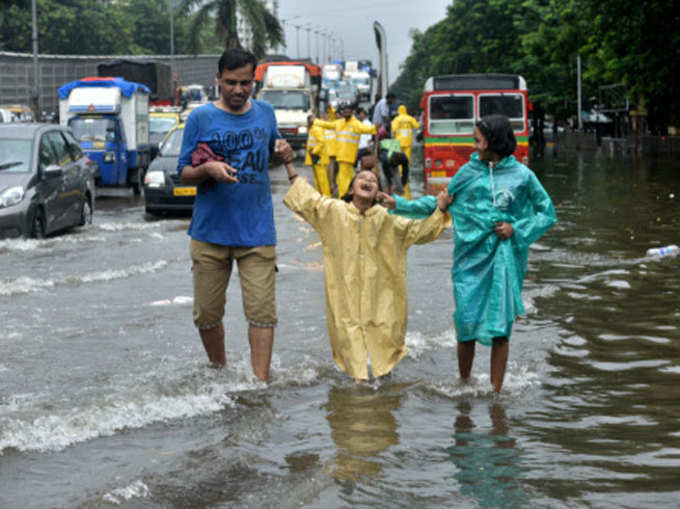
(218, 170)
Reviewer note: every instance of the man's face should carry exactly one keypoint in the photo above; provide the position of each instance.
(236, 86)
(347, 113)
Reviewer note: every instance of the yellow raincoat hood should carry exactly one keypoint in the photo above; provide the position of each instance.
(402, 109)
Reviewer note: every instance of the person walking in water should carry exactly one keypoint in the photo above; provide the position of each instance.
(233, 216)
(402, 129)
(316, 156)
(348, 131)
(499, 209)
(364, 256)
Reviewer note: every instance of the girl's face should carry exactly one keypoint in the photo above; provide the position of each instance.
(481, 145)
(365, 186)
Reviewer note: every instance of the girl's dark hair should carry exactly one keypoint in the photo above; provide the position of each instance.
(348, 197)
(498, 132)
(236, 58)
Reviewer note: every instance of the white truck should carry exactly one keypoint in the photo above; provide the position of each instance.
(110, 119)
(292, 88)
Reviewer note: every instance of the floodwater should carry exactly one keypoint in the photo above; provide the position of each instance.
(107, 400)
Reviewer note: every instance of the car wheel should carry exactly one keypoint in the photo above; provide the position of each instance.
(85, 212)
(38, 225)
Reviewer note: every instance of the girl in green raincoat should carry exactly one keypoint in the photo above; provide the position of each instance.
(499, 209)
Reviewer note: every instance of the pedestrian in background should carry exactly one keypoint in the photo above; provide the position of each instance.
(381, 113)
(348, 131)
(316, 156)
(233, 218)
(402, 129)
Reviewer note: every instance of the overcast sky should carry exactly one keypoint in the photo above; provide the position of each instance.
(352, 20)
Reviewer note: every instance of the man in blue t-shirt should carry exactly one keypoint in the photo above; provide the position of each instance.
(233, 218)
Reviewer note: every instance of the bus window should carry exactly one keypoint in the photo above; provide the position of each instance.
(451, 114)
(510, 105)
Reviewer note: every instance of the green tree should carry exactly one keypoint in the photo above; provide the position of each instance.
(265, 27)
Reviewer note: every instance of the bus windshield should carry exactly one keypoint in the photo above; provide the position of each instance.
(510, 105)
(451, 114)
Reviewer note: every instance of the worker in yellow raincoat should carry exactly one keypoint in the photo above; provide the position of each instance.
(316, 156)
(402, 129)
(331, 149)
(364, 253)
(348, 131)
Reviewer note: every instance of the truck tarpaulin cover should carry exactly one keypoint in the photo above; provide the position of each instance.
(314, 70)
(128, 88)
(155, 75)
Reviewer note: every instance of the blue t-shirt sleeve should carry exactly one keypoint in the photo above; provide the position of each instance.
(189, 141)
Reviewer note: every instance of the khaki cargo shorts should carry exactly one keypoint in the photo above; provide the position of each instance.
(212, 265)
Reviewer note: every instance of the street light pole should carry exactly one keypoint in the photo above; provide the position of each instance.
(309, 47)
(173, 80)
(317, 46)
(36, 67)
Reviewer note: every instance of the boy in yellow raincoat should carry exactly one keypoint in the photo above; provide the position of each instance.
(316, 156)
(364, 252)
(348, 131)
(402, 129)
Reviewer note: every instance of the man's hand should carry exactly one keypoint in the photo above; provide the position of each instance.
(221, 172)
(314, 157)
(444, 200)
(283, 153)
(503, 230)
(386, 200)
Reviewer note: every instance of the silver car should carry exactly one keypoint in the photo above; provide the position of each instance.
(46, 182)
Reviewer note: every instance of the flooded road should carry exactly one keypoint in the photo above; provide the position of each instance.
(107, 400)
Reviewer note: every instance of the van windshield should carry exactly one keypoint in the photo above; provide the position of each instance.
(286, 99)
(93, 129)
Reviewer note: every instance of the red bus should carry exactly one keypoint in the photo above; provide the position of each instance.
(451, 106)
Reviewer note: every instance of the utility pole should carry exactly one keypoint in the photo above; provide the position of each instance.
(578, 91)
(173, 78)
(316, 32)
(36, 67)
(297, 39)
(309, 47)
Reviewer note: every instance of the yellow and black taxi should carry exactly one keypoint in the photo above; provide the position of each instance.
(163, 191)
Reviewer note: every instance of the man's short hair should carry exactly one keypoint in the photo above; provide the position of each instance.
(236, 58)
(389, 96)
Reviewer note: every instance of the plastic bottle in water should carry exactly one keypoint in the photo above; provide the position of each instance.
(663, 251)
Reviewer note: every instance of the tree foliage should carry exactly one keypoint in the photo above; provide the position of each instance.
(222, 15)
(619, 41)
(86, 27)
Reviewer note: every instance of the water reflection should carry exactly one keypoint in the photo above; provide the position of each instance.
(488, 462)
(362, 426)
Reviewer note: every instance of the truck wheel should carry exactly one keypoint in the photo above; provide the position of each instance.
(138, 182)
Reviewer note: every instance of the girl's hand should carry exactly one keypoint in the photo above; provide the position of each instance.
(444, 200)
(386, 200)
(503, 230)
